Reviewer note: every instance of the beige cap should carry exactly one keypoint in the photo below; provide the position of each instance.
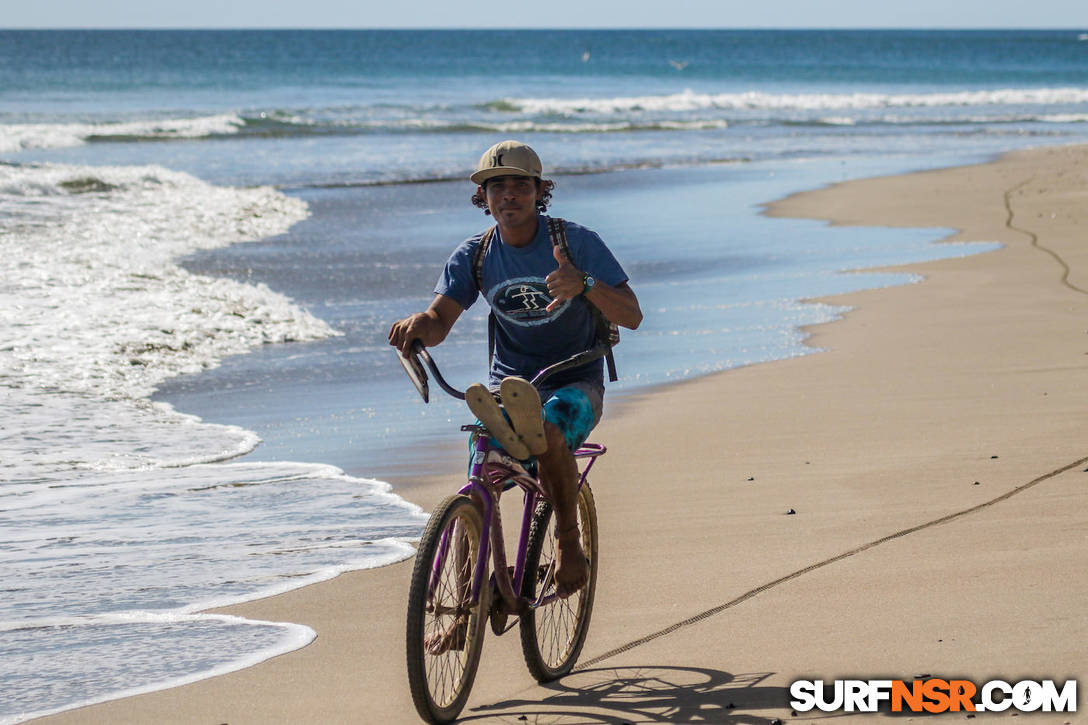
(507, 158)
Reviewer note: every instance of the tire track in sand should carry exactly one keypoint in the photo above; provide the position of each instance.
(1066, 271)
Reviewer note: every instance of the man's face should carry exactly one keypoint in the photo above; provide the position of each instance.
(512, 199)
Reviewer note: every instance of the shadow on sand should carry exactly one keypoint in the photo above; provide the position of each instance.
(650, 694)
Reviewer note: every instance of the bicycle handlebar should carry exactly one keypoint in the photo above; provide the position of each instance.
(586, 356)
(418, 349)
(418, 375)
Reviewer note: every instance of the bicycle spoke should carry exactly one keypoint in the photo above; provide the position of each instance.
(444, 671)
(439, 614)
(553, 633)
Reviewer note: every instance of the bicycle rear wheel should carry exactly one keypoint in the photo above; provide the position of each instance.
(438, 609)
(552, 635)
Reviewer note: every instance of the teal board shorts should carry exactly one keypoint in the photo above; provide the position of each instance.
(574, 409)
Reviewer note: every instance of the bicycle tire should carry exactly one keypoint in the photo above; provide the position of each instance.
(552, 635)
(440, 684)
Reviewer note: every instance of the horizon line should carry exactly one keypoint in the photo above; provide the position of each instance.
(399, 28)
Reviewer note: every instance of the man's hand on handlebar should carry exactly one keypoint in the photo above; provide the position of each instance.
(404, 332)
(429, 327)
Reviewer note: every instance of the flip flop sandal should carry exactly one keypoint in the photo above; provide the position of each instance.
(522, 403)
(416, 374)
(483, 405)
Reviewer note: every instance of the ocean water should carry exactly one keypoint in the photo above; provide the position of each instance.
(206, 235)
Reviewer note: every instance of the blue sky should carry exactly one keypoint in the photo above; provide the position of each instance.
(1068, 14)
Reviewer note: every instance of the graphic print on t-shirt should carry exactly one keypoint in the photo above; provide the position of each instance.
(523, 301)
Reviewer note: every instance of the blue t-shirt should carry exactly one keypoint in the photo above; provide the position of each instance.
(528, 338)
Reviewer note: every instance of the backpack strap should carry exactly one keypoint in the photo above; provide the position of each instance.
(478, 275)
(478, 258)
(608, 332)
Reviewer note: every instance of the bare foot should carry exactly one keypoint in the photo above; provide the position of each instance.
(572, 569)
(453, 638)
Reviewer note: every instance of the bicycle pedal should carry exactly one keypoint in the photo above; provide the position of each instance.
(498, 621)
(497, 614)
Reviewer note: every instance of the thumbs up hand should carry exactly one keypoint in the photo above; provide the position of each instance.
(565, 283)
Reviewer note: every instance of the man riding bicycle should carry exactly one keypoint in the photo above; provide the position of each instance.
(542, 297)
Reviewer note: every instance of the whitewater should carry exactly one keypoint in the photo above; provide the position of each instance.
(687, 110)
(123, 519)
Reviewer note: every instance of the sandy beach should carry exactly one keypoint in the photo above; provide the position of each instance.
(933, 453)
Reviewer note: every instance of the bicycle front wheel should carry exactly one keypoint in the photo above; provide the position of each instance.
(552, 635)
(445, 633)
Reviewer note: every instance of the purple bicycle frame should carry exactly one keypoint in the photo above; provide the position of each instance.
(489, 480)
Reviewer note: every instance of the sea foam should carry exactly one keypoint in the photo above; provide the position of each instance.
(22, 136)
(93, 302)
(122, 519)
(690, 100)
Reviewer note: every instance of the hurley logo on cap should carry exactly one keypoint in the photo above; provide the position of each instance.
(507, 157)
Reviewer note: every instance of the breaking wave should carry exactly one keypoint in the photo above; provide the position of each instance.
(685, 111)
